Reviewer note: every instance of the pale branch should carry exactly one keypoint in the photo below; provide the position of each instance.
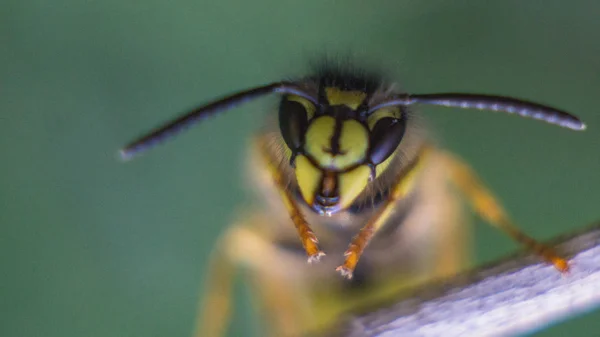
(516, 295)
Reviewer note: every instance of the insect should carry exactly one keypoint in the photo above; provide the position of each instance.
(344, 170)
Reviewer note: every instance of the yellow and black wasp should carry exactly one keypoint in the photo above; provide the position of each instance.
(345, 162)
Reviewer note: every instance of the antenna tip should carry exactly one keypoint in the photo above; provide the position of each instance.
(576, 125)
(124, 155)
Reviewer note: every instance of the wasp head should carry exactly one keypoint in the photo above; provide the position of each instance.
(337, 144)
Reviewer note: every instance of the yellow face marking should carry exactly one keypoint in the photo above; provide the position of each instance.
(308, 178)
(318, 138)
(352, 183)
(351, 99)
(353, 143)
(392, 111)
(308, 106)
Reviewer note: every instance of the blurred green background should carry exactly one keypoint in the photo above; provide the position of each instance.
(90, 246)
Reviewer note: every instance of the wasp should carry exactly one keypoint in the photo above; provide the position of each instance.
(345, 170)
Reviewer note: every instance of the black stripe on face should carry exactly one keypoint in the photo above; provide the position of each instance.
(335, 138)
(293, 121)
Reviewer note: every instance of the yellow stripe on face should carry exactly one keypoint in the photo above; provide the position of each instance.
(352, 183)
(393, 112)
(353, 143)
(308, 178)
(351, 99)
(318, 139)
(308, 106)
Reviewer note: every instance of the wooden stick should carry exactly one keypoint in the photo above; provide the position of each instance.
(516, 295)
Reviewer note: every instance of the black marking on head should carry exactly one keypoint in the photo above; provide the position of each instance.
(335, 72)
(293, 122)
(386, 137)
(335, 138)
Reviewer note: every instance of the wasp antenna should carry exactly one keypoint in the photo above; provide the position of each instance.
(494, 103)
(177, 125)
(504, 104)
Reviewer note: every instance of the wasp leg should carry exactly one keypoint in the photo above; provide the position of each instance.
(307, 237)
(216, 304)
(485, 204)
(401, 188)
(284, 304)
(277, 291)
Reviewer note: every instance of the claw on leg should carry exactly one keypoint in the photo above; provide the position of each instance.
(315, 257)
(547, 253)
(354, 251)
(352, 255)
(345, 272)
(309, 240)
(561, 264)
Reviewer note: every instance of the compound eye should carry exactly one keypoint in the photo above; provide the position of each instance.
(386, 135)
(294, 114)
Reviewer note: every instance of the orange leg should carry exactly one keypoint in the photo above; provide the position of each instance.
(307, 236)
(231, 250)
(241, 246)
(401, 188)
(486, 205)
